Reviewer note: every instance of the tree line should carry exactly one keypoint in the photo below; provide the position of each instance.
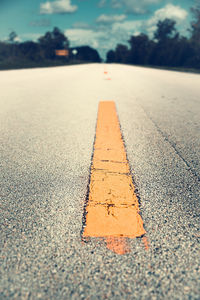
(43, 52)
(167, 48)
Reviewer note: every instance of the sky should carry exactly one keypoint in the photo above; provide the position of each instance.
(102, 24)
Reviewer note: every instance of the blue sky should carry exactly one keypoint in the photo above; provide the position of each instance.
(99, 23)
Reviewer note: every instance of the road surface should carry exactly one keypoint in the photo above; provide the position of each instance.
(47, 130)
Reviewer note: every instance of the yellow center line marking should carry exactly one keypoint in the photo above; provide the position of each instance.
(112, 210)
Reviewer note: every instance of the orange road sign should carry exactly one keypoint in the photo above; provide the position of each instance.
(63, 52)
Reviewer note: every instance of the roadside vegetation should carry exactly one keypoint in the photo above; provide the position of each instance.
(167, 49)
(42, 53)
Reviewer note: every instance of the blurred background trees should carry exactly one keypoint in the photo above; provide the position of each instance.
(167, 48)
(86, 54)
(16, 54)
(52, 41)
(195, 37)
(141, 48)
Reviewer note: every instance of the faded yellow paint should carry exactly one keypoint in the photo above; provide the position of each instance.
(112, 210)
(118, 244)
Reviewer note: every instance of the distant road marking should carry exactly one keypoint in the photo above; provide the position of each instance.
(106, 73)
(112, 209)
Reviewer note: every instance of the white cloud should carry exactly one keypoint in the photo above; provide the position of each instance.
(134, 6)
(169, 11)
(57, 7)
(128, 26)
(172, 12)
(17, 39)
(105, 36)
(78, 37)
(105, 19)
(31, 36)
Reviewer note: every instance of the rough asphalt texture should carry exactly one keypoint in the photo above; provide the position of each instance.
(47, 128)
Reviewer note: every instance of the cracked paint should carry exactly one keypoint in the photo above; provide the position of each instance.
(112, 210)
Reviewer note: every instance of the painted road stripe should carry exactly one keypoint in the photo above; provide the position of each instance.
(112, 209)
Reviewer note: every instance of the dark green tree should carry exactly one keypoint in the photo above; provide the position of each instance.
(165, 30)
(183, 53)
(195, 37)
(87, 54)
(51, 41)
(140, 49)
(12, 37)
(167, 39)
(121, 53)
(196, 24)
(29, 51)
(110, 56)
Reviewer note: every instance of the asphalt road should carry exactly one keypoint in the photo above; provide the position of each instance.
(47, 129)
